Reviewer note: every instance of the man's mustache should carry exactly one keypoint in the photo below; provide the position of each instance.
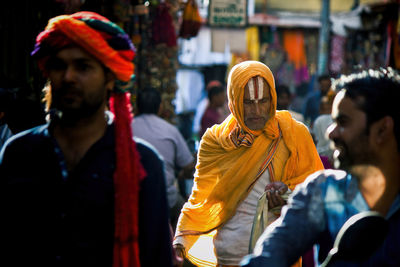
(68, 89)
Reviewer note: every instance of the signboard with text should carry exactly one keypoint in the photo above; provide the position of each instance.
(227, 13)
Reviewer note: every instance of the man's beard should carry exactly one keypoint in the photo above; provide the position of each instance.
(70, 114)
(346, 156)
(341, 159)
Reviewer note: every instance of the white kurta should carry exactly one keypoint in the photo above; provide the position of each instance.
(232, 240)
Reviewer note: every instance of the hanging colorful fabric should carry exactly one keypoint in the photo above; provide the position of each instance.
(191, 20)
(163, 27)
(293, 42)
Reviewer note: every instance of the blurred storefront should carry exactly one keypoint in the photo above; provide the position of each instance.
(179, 52)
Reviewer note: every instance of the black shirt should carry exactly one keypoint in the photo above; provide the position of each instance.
(55, 218)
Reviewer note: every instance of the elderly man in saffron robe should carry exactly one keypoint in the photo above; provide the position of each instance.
(247, 165)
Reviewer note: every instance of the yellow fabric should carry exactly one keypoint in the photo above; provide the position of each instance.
(225, 173)
(253, 42)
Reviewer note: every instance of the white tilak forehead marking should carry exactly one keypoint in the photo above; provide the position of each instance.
(260, 87)
(256, 89)
(251, 88)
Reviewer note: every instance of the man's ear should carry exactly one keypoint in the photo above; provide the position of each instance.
(110, 80)
(382, 129)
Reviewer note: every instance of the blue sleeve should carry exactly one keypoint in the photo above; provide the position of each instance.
(301, 223)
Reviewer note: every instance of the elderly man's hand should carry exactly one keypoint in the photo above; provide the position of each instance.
(274, 191)
(179, 255)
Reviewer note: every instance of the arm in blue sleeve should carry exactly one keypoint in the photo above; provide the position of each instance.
(288, 238)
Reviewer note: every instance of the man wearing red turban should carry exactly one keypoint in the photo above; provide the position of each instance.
(80, 191)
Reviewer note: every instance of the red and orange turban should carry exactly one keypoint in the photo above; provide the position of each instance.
(111, 46)
(96, 34)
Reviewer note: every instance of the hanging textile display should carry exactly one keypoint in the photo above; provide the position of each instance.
(163, 27)
(337, 53)
(191, 20)
(153, 29)
(272, 53)
(293, 42)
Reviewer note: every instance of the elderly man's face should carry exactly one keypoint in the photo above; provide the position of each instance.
(79, 83)
(256, 103)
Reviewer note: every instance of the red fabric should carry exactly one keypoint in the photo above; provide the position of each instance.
(66, 29)
(163, 27)
(128, 174)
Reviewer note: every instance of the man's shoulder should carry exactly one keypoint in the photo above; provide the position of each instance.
(327, 179)
(29, 136)
(153, 119)
(336, 175)
(29, 142)
(168, 125)
(145, 149)
(141, 118)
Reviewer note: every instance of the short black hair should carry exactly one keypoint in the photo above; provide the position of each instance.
(376, 92)
(282, 89)
(148, 101)
(214, 90)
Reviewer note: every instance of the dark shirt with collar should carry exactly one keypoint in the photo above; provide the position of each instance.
(56, 218)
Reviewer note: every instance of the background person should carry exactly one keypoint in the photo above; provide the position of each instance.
(169, 142)
(284, 98)
(311, 108)
(213, 115)
(320, 127)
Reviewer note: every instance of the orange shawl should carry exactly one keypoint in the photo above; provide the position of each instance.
(225, 171)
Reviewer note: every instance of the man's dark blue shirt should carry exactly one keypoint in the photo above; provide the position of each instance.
(59, 218)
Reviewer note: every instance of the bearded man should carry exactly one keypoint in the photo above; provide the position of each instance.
(79, 190)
